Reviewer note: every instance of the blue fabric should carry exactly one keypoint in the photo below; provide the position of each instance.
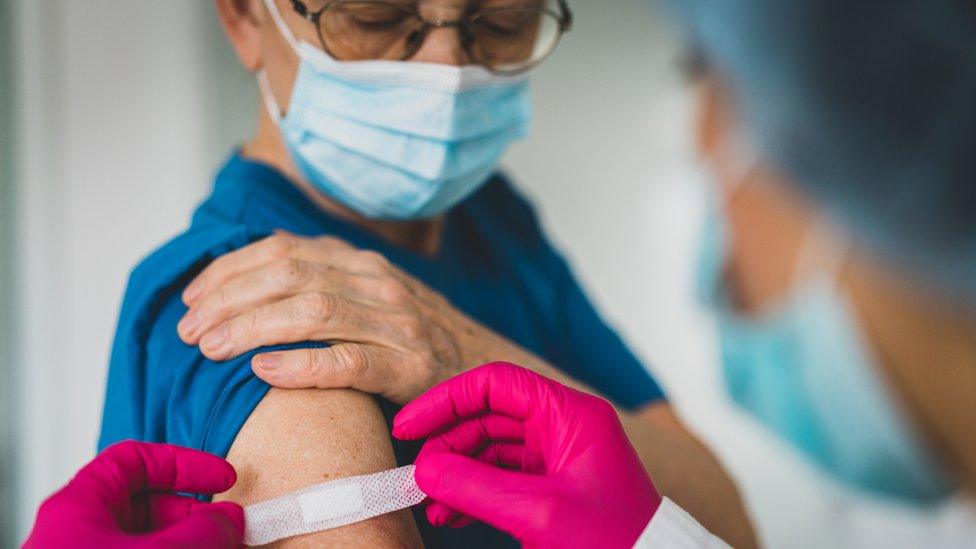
(869, 106)
(495, 264)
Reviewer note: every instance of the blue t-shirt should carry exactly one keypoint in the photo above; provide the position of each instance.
(495, 265)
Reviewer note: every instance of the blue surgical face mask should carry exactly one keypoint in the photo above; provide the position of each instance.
(805, 372)
(394, 139)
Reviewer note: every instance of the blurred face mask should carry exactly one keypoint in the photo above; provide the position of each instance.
(396, 140)
(805, 371)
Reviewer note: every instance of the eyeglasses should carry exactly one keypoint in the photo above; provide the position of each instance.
(508, 39)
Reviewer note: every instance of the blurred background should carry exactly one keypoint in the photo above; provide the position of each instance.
(115, 115)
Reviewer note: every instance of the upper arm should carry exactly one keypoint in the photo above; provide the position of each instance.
(295, 439)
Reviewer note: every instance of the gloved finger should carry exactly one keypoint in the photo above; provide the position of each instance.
(471, 435)
(281, 245)
(367, 368)
(207, 526)
(316, 316)
(461, 521)
(130, 467)
(165, 509)
(440, 515)
(505, 455)
(498, 387)
(483, 492)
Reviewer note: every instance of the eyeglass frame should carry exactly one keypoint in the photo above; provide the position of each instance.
(565, 19)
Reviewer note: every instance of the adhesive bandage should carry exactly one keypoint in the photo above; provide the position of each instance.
(331, 505)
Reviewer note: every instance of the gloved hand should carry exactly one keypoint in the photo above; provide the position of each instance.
(124, 498)
(548, 464)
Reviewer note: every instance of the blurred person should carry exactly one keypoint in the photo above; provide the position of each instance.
(841, 259)
(382, 129)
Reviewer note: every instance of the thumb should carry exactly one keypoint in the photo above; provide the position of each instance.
(208, 526)
(495, 496)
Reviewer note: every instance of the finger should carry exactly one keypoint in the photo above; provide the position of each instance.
(498, 387)
(471, 436)
(264, 285)
(130, 467)
(439, 515)
(281, 245)
(343, 366)
(461, 521)
(309, 317)
(486, 493)
(503, 454)
(164, 509)
(207, 526)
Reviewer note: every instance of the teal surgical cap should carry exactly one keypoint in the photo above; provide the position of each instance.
(869, 106)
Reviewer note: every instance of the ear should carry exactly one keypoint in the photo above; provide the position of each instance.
(243, 21)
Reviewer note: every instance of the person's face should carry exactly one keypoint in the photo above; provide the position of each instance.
(769, 223)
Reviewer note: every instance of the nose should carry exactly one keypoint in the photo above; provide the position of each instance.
(443, 43)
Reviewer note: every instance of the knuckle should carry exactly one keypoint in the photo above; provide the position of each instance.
(332, 242)
(244, 330)
(411, 328)
(219, 302)
(374, 260)
(281, 245)
(290, 273)
(391, 291)
(308, 364)
(319, 304)
(350, 360)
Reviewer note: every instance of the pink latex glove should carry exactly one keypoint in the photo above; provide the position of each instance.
(548, 464)
(124, 498)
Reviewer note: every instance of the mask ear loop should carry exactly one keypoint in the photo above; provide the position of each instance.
(267, 96)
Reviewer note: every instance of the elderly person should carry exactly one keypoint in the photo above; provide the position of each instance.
(382, 129)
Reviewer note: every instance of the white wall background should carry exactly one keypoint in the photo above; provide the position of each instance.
(126, 108)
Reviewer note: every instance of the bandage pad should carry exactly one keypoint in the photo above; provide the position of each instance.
(331, 505)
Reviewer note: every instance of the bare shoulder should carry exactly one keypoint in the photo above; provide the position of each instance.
(296, 438)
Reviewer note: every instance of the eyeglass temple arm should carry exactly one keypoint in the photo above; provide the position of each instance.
(567, 22)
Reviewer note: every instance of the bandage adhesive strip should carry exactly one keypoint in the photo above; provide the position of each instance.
(331, 505)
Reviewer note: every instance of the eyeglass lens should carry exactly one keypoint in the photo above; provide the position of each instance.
(514, 34)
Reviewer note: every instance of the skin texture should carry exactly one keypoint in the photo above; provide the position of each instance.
(295, 439)
(926, 345)
(422, 333)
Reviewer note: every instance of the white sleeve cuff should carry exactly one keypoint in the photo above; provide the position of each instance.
(672, 528)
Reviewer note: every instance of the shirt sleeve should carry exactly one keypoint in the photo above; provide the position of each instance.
(592, 352)
(673, 528)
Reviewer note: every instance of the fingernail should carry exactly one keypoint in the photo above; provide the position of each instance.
(192, 292)
(269, 361)
(214, 340)
(189, 323)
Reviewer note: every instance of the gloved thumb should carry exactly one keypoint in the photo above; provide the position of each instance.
(498, 497)
(207, 526)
